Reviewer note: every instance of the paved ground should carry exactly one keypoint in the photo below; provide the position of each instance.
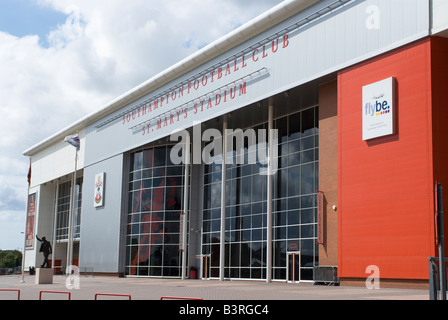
(154, 289)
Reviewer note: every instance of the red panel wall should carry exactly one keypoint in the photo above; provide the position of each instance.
(385, 185)
(439, 84)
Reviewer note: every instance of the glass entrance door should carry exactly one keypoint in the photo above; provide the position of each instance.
(293, 266)
(205, 267)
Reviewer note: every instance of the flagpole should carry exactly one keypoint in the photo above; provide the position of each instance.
(74, 141)
(26, 222)
(71, 222)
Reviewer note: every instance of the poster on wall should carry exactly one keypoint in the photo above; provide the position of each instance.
(99, 190)
(320, 217)
(378, 109)
(31, 213)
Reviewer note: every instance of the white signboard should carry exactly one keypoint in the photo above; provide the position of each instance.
(99, 190)
(378, 109)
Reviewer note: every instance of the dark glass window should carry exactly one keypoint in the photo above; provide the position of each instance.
(155, 201)
(296, 184)
(294, 209)
(63, 209)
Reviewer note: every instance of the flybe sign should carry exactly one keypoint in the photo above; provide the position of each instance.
(378, 105)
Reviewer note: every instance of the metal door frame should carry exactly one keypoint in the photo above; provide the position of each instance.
(291, 262)
(205, 266)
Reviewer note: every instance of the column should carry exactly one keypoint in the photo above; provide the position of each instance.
(223, 202)
(185, 213)
(269, 191)
(55, 224)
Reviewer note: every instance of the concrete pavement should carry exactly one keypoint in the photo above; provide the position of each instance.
(154, 289)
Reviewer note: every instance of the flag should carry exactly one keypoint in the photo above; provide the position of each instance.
(73, 140)
(29, 176)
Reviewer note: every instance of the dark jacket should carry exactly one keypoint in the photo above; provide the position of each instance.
(45, 247)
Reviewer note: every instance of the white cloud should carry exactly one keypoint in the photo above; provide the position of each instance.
(70, 31)
(105, 48)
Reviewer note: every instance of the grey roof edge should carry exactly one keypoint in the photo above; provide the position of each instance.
(268, 19)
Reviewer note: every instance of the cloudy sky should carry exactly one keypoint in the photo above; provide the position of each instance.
(63, 59)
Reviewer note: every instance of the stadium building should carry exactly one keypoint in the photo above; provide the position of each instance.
(303, 146)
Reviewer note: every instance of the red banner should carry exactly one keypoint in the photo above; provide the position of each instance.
(320, 217)
(181, 231)
(29, 243)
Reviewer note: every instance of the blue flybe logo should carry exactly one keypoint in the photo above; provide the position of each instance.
(378, 108)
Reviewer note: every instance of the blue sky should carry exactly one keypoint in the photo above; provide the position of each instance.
(88, 53)
(25, 17)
